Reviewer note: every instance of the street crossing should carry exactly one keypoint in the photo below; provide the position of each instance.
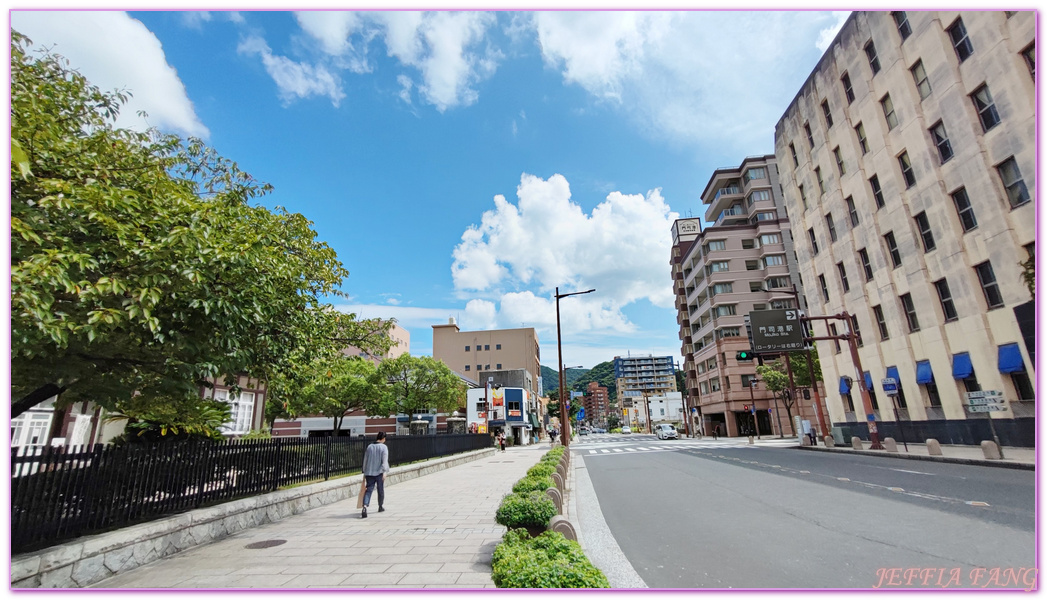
(613, 444)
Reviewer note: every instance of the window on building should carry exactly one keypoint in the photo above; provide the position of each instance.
(834, 331)
(945, 297)
(755, 173)
(843, 277)
(770, 238)
(851, 210)
(814, 242)
(941, 140)
(716, 245)
(870, 53)
(1023, 386)
(778, 283)
(498, 366)
(859, 130)
(719, 266)
(902, 22)
(765, 216)
(1017, 193)
(759, 196)
(960, 40)
(723, 288)
(888, 111)
(747, 379)
(874, 183)
(487, 347)
(807, 130)
(781, 304)
(832, 227)
(1029, 54)
(756, 286)
(821, 183)
(748, 244)
(792, 150)
(825, 288)
(863, 256)
(827, 114)
(881, 323)
(924, 225)
(964, 209)
(803, 197)
(242, 407)
(987, 279)
(892, 249)
(910, 313)
(839, 160)
(774, 260)
(907, 173)
(857, 331)
(466, 367)
(845, 79)
(497, 346)
(986, 108)
(752, 265)
(487, 367)
(727, 332)
(479, 367)
(919, 75)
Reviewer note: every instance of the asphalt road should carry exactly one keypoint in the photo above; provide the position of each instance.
(785, 518)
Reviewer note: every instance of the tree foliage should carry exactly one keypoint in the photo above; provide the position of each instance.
(415, 384)
(138, 264)
(342, 385)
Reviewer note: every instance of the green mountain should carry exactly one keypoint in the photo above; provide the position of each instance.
(578, 379)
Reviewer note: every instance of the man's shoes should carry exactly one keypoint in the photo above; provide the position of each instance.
(363, 515)
(381, 509)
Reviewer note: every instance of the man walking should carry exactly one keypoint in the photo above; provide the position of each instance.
(376, 464)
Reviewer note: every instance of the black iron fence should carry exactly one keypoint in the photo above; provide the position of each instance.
(62, 493)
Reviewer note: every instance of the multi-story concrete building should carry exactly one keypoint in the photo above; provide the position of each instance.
(744, 261)
(637, 377)
(473, 352)
(596, 402)
(908, 164)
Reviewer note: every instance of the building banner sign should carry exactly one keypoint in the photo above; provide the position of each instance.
(776, 330)
(514, 413)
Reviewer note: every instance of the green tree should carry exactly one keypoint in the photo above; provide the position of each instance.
(777, 381)
(138, 265)
(414, 384)
(801, 375)
(342, 385)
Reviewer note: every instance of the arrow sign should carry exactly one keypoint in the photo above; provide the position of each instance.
(978, 401)
(980, 408)
(997, 394)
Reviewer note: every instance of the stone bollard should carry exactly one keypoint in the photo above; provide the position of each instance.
(562, 470)
(991, 450)
(558, 480)
(889, 445)
(856, 443)
(830, 441)
(561, 524)
(556, 497)
(933, 447)
(805, 441)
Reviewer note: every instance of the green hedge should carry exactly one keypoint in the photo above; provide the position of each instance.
(526, 509)
(542, 469)
(547, 561)
(533, 484)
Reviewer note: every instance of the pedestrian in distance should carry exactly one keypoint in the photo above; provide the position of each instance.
(376, 465)
(501, 441)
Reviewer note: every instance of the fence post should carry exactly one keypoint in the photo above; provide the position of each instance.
(327, 457)
(277, 468)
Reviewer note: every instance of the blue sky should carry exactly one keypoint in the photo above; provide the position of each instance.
(465, 164)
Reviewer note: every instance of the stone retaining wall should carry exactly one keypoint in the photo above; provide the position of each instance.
(90, 559)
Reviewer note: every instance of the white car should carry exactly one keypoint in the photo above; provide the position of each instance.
(626, 429)
(666, 432)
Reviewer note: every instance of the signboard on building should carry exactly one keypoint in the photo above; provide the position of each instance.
(776, 330)
(890, 386)
(986, 401)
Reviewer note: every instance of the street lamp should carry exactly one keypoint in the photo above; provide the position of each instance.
(564, 437)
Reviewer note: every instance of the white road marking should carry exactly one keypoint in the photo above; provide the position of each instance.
(914, 472)
(592, 452)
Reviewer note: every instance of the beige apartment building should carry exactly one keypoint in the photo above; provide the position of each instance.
(908, 164)
(744, 261)
(472, 352)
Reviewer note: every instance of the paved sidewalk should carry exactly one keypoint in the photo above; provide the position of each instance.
(1014, 458)
(437, 531)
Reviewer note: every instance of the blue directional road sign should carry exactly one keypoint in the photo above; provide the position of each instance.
(581, 414)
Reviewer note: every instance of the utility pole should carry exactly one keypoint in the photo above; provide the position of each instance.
(565, 437)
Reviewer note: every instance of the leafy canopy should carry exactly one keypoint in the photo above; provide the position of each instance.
(415, 384)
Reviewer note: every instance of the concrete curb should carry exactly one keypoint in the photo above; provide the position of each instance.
(90, 559)
(1003, 464)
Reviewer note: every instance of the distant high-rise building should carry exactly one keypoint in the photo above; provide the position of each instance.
(908, 164)
(639, 376)
(596, 402)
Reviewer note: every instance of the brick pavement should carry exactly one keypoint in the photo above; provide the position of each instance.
(437, 531)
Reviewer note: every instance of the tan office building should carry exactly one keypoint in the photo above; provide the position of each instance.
(908, 164)
(472, 352)
(744, 261)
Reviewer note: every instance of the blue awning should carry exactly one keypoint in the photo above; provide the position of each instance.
(845, 388)
(868, 381)
(892, 373)
(923, 372)
(961, 366)
(1011, 359)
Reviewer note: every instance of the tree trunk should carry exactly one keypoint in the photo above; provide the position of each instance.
(36, 397)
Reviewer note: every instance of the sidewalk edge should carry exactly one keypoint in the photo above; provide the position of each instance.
(943, 459)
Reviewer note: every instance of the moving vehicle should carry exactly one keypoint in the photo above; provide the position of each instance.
(666, 431)
(583, 431)
(626, 429)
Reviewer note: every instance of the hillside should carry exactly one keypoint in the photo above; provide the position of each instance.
(578, 379)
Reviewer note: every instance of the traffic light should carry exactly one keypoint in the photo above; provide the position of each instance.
(745, 408)
(744, 355)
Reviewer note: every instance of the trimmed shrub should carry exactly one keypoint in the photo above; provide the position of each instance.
(527, 509)
(533, 484)
(547, 561)
(541, 470)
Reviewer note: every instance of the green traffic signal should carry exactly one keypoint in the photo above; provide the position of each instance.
(745, 355)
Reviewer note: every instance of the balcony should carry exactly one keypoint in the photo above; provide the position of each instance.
(731, 213)
(730, 190)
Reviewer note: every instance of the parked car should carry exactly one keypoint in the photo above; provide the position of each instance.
(626, 429)
(666, 432)
(599, 430)
(583, 431)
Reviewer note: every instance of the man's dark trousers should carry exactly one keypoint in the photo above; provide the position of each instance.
(373, 480)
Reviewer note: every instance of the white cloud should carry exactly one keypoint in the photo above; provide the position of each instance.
(826, 36)
(406, 316)
(698, 77)
(331, 28)
(115, 51)
(294, 79)
(519, 254)
(195, 19)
